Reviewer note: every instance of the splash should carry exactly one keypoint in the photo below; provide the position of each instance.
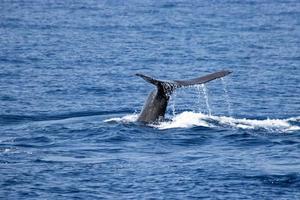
(184, 120)
(191, 119)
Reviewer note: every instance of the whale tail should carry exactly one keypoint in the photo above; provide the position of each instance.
(167, 87)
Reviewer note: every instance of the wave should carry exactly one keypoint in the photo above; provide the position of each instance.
(191, 119)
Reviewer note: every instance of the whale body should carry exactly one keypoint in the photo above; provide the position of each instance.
(156, 104)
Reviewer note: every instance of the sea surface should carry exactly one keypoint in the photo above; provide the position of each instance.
(69, 99)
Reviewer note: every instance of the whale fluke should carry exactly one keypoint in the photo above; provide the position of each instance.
(203, 79)
(149, 79)
(155, 107)
(164, 87)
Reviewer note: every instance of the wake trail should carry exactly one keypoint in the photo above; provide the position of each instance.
(191, 119)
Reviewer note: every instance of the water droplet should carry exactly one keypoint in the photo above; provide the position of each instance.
(227, 98)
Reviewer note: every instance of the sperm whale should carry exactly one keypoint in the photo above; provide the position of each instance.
(155, 106)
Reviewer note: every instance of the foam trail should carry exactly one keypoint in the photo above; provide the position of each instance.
(204, 90)
(191, 119)
(226, 96)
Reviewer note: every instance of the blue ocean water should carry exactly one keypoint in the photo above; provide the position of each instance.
(69, 99)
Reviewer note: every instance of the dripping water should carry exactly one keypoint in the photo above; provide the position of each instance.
(199, 97)
(204, 91)
(227, 99)
(173, 103)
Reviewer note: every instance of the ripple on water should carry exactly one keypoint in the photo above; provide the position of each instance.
(291, 180)
(67, 90)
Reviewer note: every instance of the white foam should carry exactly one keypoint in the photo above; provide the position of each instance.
(294, 119)
(184, 120)
(192, 119)
(280, 125)
(7, 150)
(124, 119)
